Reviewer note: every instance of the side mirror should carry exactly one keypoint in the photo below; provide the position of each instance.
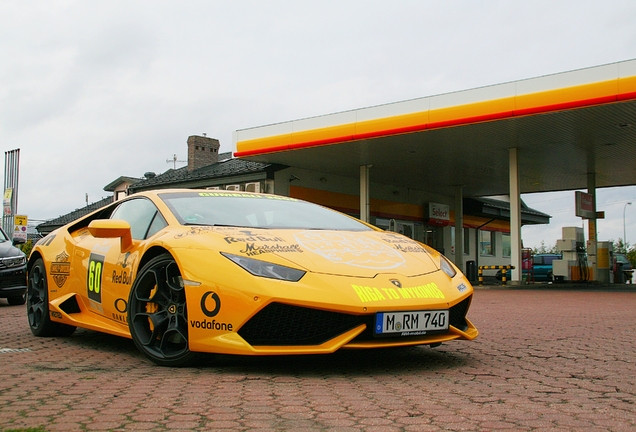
(112, 228)
(18, 241)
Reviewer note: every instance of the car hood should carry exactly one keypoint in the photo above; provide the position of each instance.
(8, 250)
(347, 253)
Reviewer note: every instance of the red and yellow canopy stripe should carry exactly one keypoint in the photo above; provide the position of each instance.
(579, 96)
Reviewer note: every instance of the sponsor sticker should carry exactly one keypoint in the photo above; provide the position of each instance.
(373, 294)
(60, 269)
(350, 249)
(252, 249)
(210, 306)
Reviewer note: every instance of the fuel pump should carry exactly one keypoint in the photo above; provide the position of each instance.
(605, 259)
(573, 263)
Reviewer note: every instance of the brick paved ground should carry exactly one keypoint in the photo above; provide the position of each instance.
(545, 359)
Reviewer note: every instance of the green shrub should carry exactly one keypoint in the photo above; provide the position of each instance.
(26, 247)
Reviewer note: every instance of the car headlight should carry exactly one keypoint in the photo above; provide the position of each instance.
(447, 267)
(266, 269)
(13, 261)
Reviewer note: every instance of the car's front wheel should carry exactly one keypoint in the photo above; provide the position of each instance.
(157, 313)
(37, 299)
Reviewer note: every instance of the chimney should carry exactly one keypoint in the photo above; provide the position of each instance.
(202, 151)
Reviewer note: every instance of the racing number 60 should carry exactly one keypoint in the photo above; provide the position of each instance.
(94, 276)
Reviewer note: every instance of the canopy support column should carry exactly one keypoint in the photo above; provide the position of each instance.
(591, 227)
(364, 193)
(515, 215)
(459, 227)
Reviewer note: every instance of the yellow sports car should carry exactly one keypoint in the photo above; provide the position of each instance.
(183, 272)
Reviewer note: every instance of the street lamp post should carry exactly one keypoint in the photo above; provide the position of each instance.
(624, 232)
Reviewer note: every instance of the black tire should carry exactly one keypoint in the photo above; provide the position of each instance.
(37, 299)
(17, 300)
(157, 313)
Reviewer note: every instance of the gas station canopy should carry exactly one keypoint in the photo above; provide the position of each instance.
(563, 127)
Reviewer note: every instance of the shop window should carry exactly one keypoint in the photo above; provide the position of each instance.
(486, 243)
(506, 246)
(466, 240)
(406, 229)
(434, 237)
(402, 227)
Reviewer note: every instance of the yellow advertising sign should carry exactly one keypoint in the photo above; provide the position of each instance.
(21, 220)
(8, 194)
(20, 223)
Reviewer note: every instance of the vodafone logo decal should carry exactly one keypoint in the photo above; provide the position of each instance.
(205, 307)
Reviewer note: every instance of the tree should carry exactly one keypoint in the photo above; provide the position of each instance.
(620, 246)
(625, 248)
(543, 249)
(631, 256)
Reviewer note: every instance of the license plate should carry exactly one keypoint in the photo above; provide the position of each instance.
(413, 323)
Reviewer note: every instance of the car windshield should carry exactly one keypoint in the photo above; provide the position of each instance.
(254, 211)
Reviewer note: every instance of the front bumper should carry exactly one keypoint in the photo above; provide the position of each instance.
(13, 282)
(281, 328)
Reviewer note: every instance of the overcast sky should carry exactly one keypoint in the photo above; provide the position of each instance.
(93, 90)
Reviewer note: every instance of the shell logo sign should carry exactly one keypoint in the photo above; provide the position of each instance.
(350, 249)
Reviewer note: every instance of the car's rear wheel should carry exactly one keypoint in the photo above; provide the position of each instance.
(37, 299)
(17, 300)
(157, 313)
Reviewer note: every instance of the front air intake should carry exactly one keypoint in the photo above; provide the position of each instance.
(282, 324)
(458, 314)
(70, 306)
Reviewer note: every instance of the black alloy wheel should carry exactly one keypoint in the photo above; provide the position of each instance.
(37, 299)
(157, 313)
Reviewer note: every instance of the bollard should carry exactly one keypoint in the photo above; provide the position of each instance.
(503, 269)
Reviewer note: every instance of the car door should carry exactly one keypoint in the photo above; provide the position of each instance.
(109, 272)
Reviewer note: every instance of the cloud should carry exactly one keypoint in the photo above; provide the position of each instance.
(90, 91)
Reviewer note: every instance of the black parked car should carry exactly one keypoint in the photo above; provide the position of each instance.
(12, 270)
